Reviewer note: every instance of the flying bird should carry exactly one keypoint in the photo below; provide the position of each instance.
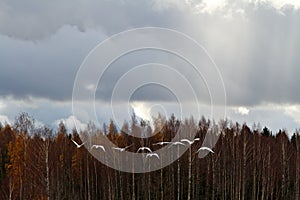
(161, 143)
(121, 149)
(144, 148)
(149, 155)
(98, 146)
(189, 141)
(205, 149)
(77, 145)
(177, 144)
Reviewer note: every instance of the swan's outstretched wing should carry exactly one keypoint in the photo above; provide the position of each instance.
(144, 148)
(98, 146)
(176, 144)
(205, 149)
(77, 145)
(188, 141)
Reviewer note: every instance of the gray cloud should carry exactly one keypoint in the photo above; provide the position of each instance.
(255, 46)
(44, 69)
(33, 21)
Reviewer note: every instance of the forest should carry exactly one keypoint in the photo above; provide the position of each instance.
(38, 163)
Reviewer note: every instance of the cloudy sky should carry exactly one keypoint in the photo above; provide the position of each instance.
(255, 44)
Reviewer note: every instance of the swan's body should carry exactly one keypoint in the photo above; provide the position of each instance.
(121, 149)
(161, 143)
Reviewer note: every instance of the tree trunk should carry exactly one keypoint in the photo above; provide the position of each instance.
(133, 186)
(11, 188)
(213, 178)
(21, 184)
(297, 184)
(47, 171)
(88, 177)
(190, 174)
(96, 179)
(109, 185)
(178, 175)
(254, 159)
(244, 168)
(149, 185)
(283, 178)
(161, 184)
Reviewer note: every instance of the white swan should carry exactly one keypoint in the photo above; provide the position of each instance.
(149, 155)
(77, 145)
(190, 141)
(161, 143)
(205, 149)
(98, 146)
(121, 149)
(144, 148)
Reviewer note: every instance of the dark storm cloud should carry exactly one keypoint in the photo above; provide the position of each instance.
(42, 45)
(33, 20)
(43, 69)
